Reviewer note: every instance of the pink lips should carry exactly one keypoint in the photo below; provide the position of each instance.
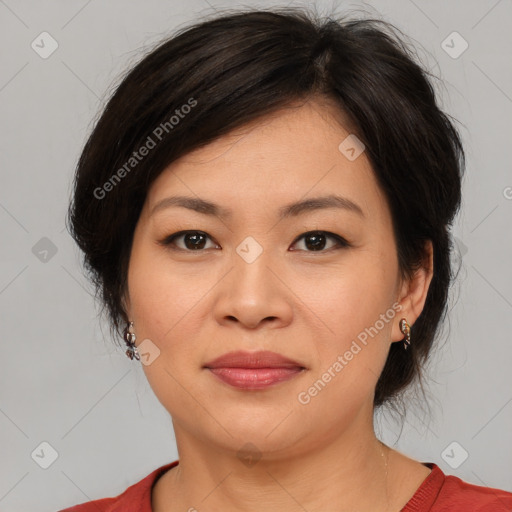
(253, 370)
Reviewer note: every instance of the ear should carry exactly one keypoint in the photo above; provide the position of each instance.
(413, 293)
(125, 304)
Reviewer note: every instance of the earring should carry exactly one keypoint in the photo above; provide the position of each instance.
(129, 338)
(406, 329)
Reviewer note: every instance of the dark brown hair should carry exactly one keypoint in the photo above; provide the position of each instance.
(222, 73)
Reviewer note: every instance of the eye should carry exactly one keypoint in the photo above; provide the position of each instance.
(195, 241)
(315, 241)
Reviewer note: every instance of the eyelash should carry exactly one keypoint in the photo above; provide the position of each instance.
(168, 241)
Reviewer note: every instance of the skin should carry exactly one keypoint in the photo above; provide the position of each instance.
(304, 304)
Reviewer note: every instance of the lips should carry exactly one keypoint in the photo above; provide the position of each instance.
(261, 359)
(254, 370)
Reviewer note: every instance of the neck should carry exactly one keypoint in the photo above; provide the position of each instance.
(349, 474)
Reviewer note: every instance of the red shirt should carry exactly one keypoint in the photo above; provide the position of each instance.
(437, 493)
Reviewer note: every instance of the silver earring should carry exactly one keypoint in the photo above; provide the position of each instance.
(406, 329)
(130, 338)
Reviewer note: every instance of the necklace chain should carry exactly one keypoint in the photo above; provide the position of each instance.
(386, 471)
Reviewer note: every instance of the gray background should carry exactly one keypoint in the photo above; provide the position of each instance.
(64, 383)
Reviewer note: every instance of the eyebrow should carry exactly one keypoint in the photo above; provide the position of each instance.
(291, 210)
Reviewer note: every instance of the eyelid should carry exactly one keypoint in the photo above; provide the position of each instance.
(168, 241)
(341, 242)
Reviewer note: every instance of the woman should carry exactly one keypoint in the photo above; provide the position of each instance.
(264, 206)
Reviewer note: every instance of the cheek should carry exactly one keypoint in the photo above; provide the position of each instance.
(357, 313)
(350, 298)
(162, 302)
(161, 296)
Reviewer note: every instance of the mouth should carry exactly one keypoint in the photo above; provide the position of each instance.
(254, 370)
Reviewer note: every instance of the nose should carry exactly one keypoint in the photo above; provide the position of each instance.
(254, 295)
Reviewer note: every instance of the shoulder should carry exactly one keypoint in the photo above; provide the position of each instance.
(136, 498)
(466, 496)
(102, 505)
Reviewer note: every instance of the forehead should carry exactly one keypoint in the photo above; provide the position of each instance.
(294, 153)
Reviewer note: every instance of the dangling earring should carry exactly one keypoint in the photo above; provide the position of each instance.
(406, 329)
(129, 338)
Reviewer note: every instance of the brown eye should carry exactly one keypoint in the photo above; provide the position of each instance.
(192, 240)
(195, 241)
(316, 241)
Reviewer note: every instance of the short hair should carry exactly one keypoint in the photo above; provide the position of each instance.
(222, 73)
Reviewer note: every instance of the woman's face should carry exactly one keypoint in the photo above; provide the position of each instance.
(250, 281)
